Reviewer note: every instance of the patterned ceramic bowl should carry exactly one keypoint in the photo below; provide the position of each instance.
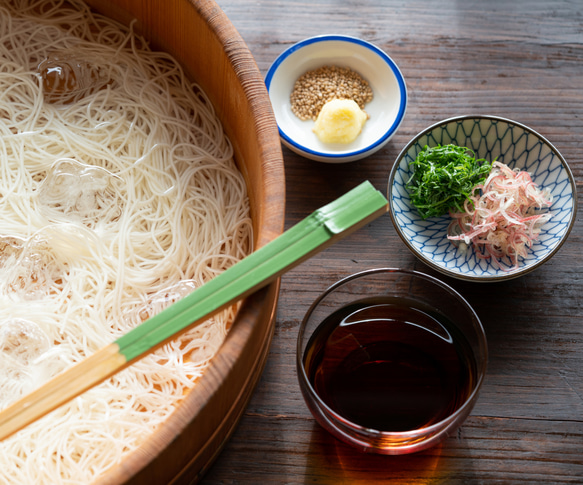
(491, 138)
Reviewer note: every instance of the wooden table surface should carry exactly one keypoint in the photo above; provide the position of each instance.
(521, 60)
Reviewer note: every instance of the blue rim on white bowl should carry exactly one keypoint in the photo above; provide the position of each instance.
(386, 110)
(490, 137)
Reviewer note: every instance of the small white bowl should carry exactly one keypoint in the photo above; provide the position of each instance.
(386, 110)
(491, 138)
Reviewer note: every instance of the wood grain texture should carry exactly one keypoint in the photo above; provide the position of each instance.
(521, 60)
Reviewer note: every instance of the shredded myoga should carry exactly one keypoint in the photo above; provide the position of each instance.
(503, 217)
(118, 195)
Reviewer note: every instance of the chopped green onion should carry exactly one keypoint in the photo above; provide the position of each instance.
(443, 178)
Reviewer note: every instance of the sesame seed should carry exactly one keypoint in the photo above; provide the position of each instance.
(315, 88)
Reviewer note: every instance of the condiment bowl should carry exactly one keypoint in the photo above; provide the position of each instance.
(491, 137)
(386, 110)
(402, 369)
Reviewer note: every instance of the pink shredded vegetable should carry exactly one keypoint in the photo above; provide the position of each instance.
(503, 217)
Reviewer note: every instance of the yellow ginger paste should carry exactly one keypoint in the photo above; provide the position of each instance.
(340, 121)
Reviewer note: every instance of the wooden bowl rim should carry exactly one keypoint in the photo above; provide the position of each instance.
(267, 133)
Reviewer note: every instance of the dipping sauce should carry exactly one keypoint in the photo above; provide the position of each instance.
(390, 365)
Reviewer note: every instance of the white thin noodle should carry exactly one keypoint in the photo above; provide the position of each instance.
(110, 208)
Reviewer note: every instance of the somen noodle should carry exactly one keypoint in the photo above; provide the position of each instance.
(118, 195)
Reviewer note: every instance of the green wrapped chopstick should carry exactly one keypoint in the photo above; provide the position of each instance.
(317, 231)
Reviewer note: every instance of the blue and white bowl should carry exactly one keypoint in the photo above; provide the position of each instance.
(490, 137)
(386, 110)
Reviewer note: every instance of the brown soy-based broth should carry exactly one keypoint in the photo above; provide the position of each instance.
(390, 366)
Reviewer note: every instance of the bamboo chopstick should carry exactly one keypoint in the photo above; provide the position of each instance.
(316, 232)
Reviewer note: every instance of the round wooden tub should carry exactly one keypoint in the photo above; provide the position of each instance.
(213, 54)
